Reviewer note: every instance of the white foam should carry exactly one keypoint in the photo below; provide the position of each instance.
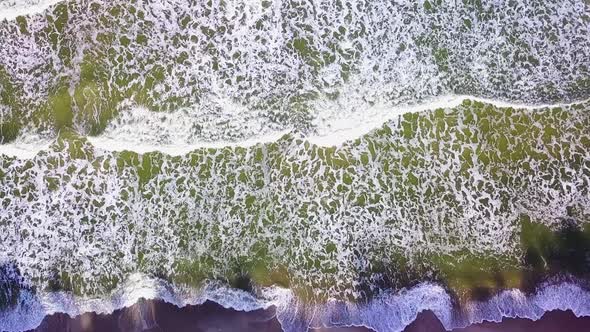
(380, 53)
(10, 9)
(32, 308)
(182, 131)
(141, 133)
(115, 144)
(335, 128)
(25, 146)
(514, 303)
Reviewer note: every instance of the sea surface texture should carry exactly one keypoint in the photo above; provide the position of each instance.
(347, 162)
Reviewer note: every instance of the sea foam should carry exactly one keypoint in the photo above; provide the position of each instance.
(10, 9)
(141, 132)
(234, 70)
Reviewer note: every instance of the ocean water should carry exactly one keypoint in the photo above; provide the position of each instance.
(348, 162)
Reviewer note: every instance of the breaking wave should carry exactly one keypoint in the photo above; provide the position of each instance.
(234, 70)
(140, 132)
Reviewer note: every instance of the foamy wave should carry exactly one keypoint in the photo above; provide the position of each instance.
(182, 131)
(169, 133)
(26, 145)
(514, 303)
(392, 311)
(10, 9)
(245, 69)
(32, 308)
(335, 127)
(388, 312)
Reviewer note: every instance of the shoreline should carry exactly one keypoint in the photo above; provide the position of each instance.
(160, 316)
(394, 312)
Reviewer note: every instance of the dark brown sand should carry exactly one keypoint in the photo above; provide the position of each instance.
(158, 316)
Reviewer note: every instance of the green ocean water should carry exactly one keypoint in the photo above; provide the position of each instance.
(81, 63)
(476, 198)
(426, 193)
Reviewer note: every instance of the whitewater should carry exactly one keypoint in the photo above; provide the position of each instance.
(331, 130)
(326, 138)
(400, 307)
(11, 9)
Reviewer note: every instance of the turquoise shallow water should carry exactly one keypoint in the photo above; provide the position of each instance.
(316, 156)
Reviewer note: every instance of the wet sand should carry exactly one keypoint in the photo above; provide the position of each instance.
(158, 316)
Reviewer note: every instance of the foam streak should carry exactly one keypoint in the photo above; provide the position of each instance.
(333, 129)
